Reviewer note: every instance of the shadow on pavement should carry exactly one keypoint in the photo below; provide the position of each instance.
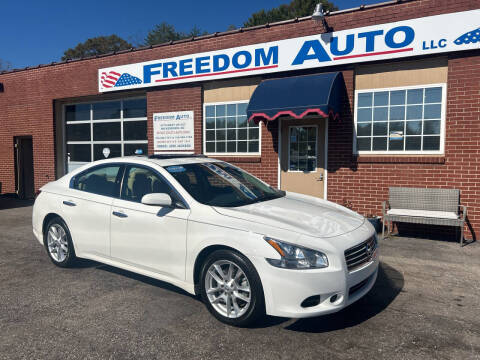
(388, 285)
(12, 202)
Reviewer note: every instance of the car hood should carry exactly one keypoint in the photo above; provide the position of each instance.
(299, 213)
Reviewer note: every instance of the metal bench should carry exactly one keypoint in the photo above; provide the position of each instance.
(424, 206)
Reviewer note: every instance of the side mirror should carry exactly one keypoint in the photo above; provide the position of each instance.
(157, 199)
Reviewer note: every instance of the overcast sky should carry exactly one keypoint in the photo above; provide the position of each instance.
(36, 32)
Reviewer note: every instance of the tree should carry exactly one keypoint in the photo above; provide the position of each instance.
(5, 65)
(96, 46)
(166, 32)
(296, 8)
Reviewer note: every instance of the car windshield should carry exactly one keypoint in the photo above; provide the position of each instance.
(222, 184)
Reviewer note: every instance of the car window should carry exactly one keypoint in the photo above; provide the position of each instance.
(140, 181)
(221, 184)
(102, 180)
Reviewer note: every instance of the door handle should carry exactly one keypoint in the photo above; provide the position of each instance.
(120, 214)
(69, 203)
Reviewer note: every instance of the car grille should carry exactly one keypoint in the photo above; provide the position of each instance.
(360, 254)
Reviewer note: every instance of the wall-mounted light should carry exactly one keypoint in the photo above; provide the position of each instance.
(319, 16)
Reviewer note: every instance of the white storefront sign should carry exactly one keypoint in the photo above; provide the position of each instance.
(173, 131)
(422, 36)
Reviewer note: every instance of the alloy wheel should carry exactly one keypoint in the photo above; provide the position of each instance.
(57, 243)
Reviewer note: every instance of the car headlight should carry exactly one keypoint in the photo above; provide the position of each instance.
(296, 257)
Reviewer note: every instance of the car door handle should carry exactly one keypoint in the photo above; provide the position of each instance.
(69, 203)
(120, 214)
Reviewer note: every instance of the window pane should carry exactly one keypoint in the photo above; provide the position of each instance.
(220, 134)
(79, 152)
(210, 147)
(415, 96)
(220, 110)
(365, 99)
(364, 144)
(231, 146)
(253, 146)
(242, 121)
(141, 181)
(380, 128)
(78, 132)
(135, 108)
(379, 143)
(380, 98)
(135, 149)
(106, 131)
(397, 125)
(414, 112)
(433, 95)
(114, 150)
(242, 146)
(134, 130)
(431, 143)
(433, 111)
(210, 135)
(364, 115)
(242, 109)
(231, 122)
(380, 114)
(221, 123)
(414, 127)
(210, 123)
(395, 144)
(221, 147)
(413, 143)
(364, 129)
(397, 97)
(210, 111)
(242, 134)
(231, 109)
(106, 110)
(397, 113)
(101, 181)
(252, 124)
(431, 127)
(253, 134)
(77, 112)
(231, 134)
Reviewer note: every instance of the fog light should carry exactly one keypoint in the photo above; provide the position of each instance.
(311, 301)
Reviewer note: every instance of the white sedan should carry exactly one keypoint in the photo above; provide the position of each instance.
(213, 230)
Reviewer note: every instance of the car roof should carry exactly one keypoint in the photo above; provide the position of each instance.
(162, 161)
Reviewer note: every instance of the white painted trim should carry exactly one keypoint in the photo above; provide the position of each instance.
(224, 154)
(325, 165)
(407, 152)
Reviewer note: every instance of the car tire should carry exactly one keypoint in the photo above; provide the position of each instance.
(235, 297)
(58, 243)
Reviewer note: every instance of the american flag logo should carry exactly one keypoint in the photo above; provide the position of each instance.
(470, 37)
(113, 78)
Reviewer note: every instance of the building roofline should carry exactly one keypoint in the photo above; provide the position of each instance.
(208, 36)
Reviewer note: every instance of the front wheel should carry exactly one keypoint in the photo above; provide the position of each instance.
(58, 243)
(231, 288)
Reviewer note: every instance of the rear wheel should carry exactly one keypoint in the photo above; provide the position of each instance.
(231, 288)
(58, 243)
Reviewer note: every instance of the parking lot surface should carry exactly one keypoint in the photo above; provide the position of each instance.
(425, 305)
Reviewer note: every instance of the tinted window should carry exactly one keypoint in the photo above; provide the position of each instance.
(140, 181)
(221, 184)
(102, 180)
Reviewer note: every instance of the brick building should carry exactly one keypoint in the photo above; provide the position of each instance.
(408, 113)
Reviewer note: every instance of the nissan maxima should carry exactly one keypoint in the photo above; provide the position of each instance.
(246, 248)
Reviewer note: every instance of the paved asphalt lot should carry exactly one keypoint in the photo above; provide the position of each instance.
(425, 305)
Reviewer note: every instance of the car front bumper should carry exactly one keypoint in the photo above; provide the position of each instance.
(286, 289)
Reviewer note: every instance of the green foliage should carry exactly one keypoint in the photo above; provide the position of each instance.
(96, 46)
(296, 8)
(165, 32)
